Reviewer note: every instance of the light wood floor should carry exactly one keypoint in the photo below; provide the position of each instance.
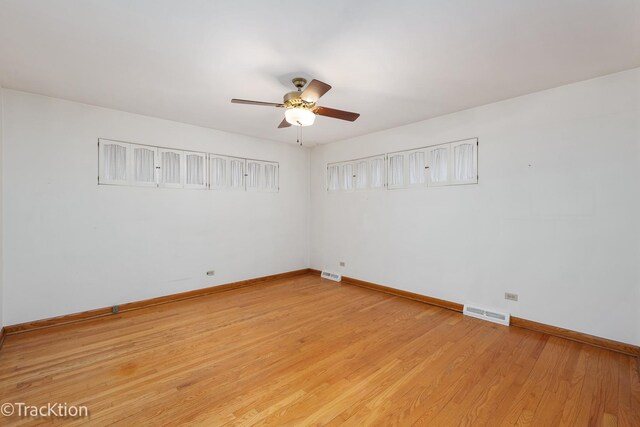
(305, 351)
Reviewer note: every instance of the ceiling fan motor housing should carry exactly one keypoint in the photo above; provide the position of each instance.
(293, 100)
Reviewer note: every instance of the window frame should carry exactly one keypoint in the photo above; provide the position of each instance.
(424, 171)
(430, 182)
(474, 143)
(276, 167)
(337, 187)
(383, 172)
(205, 171)
(181, 163)
(405, 171)
(102, 180)
(156, 166)
(243, 175)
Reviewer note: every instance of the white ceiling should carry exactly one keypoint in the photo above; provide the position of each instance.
(395, 62)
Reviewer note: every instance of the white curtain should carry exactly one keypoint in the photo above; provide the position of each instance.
(270, 177)
(218, 172)
(377, 173)
(170, 167)
(145, 167)
(195, 169)
(253, 175)
(463, 169)
(333, 178)
(346, 177)
(439, 163)
(396, 170)
(416, 168)
(361, 175)
(115, 162)
(237, 174)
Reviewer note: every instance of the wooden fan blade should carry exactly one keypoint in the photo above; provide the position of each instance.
(315, 90)
(284, 124)
(336, 114)
(266, 104)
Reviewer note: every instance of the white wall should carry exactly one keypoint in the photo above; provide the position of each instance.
(71, 245)
(554, 217)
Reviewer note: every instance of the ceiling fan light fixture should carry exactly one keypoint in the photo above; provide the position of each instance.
(300, 116)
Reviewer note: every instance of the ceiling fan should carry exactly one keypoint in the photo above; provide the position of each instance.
(301, 108)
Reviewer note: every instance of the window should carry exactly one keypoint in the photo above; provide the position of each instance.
(195, 170)
(254, 175)
(417, 168)
(465, 160)
(262, 176)
(171, 168)
(452, 163)
(236, 174)
(396, 178)
(227, 173)
(113, 161)
(362, 175)
(271, 176)
(346, 177)
(333, 177)
(125, 163)
(144, 165)
(376, 167)
(218, 176)
(438, 157)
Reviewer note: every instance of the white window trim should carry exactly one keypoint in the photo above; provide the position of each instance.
(449, 146)
(101, 173)
(337, 166)
(383, 159)
(225, 185)
(277, 176)
(424, 171)
(243, 185)
(156, 166)
(367, 168)
(474, 143)
(181, 161)
(430, 182)
(405, 170)
(350, 177)
(262, 185)
(205, 158)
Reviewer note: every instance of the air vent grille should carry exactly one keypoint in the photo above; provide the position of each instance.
(491, 316)
(331, 276)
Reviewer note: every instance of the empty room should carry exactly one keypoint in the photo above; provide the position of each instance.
(303, 213)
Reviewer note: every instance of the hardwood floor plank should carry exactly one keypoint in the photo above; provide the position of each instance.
(305, 351)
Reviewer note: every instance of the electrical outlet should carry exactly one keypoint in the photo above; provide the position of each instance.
(115, 309)
(510, 296)
(342, 264)
(211, 273)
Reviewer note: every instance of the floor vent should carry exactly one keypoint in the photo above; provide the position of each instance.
(331, 276)
(491, 316)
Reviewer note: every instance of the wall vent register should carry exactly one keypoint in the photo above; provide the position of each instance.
(488, 315)
(331, 276)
